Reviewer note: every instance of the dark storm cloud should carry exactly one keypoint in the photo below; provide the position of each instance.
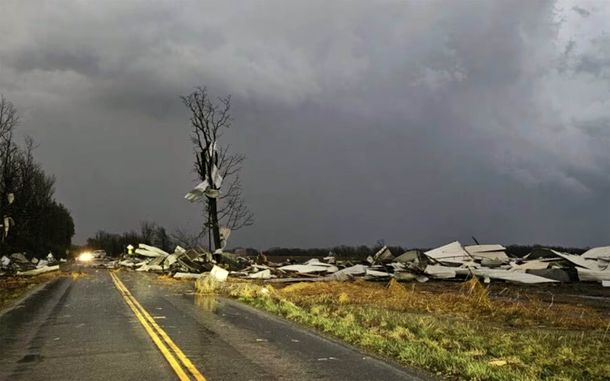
(416, 122)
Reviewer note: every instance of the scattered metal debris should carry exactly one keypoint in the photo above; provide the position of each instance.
(451, 261)
(39, 270)
(19, 264)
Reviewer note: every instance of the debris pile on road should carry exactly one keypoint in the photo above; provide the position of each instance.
(451, 261)
(18, 264)
(181, 263)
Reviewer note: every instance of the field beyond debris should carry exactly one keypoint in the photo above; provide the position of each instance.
(455, 330)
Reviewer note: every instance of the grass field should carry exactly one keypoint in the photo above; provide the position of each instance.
(455, 331)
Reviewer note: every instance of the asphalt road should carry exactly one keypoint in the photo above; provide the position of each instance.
(85, 329)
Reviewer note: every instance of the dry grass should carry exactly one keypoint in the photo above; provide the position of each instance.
(76, 275)
(471, 300)
(459, 334)
(206, 285)
(13, 287)
(168, 278)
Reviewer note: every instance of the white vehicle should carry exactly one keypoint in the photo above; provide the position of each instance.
(99, 254)
(91, 256)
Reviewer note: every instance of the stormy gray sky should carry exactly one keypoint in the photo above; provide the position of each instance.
(416, 122)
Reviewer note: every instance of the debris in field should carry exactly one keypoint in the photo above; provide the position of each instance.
(261, 259)
(305, 269)
(403, 276)
(534, 264)
(128, 263)
(331, 258)
(488, 253)
(407, 257)
(19, 258)
(452, 253)
(561, 275)
(383, 256)
(592, 275)
(578, 260)
(150, 251)
(541, 253)
(512, 276)
(264, 274)
(349, 272)
(41, 263)
(187, 276)
(598, 253)
(40, 270)
(440, 272)
(489, 262)
(219, 274)
(376, 274)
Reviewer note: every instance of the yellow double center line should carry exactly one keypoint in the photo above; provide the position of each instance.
(172, 353)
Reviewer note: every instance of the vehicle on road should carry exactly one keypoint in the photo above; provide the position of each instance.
(91, 258)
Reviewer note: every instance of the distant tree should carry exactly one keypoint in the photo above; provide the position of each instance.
(33, 191)
(216, 166)
(162, 240)
(114, 244)
(111, 243)
(37, 223)
(187, 240)
(130, 238)
(60, 229)
(9, 119)
(147, 232)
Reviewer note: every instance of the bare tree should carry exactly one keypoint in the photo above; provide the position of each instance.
(8, 122)
(187, 239)
(216, 166)
(9, 119)
(36, 221)
(147, 232)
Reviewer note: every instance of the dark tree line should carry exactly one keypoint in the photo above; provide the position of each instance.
(363, 251)
(150, 233)
(32, 221)
(520, 251)
(341, 252)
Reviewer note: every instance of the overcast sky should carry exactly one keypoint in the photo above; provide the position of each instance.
(414, 122)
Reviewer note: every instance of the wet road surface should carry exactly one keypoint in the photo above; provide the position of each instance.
(84, 329)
